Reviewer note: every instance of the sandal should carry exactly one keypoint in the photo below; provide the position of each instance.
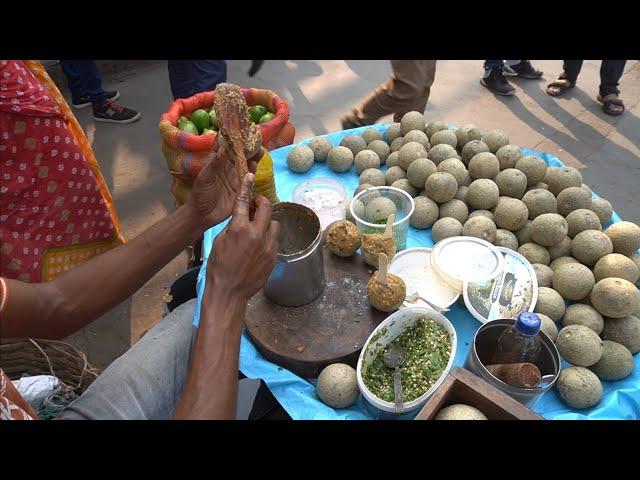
(559, 87)
(608, 103)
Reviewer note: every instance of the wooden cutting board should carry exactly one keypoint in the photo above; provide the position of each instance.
(331, 329)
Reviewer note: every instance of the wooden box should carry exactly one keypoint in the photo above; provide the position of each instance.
(462, 386)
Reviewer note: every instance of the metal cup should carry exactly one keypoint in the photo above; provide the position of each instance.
(483, 347)
(298, 276)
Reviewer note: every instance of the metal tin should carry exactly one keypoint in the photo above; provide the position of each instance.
(298, 275)
(483, 347)
(414, 267)
(514, 291)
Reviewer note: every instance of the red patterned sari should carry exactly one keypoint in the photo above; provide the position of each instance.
(55, 208)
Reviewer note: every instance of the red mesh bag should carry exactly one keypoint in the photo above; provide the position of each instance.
(186, 153)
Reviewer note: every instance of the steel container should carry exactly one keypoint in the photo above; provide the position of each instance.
(298, 276)
(483, 348)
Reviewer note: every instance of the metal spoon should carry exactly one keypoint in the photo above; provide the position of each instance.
(545, 380)
(393, 358)
(414, 297)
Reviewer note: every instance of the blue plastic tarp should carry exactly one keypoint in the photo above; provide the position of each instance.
(620, 400)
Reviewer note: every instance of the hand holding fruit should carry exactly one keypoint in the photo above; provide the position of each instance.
(216, 187)
(245, 252)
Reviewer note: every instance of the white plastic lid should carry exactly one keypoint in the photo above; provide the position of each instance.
(466, 259)
(512, 292)
(413, 266)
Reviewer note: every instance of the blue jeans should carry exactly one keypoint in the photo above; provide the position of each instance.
(188, 77)
(493, 64)
(83, 78)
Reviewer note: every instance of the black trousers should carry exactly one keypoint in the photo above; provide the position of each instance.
(610, 73)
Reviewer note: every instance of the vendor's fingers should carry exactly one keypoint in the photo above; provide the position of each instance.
(273, 233)
(243, 200)
(208, 173)
(252, 163)
(262, 216)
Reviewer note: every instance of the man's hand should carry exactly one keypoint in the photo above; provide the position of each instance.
(217, 186)
(244, 254)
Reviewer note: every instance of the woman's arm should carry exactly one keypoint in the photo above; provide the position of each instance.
(240, 263)
(62, 306)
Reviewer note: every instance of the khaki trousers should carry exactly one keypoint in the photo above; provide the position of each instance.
(407, 90)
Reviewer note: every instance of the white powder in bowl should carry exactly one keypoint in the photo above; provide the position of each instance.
(328, 204)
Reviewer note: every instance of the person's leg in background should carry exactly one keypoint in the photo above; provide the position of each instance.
(522, 69)
(146, 382)
(188, 77)
(407, 90)
(84, 81)
(493, 78)
(567, 79)
(85, 84)
(571, 70)
(610, 73)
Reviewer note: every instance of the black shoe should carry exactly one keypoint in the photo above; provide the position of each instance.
(114, 113)
(83, 101)
(524, 69)
(494, 80)
(348, 124)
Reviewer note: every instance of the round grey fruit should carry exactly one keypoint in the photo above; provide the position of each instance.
(340, 159)
(625, 331)
(573, 281)
(483, 194)
(549, 229)
(550, 303)
(455, 209)
(579, 345)
(320, 147)
(425, 213)
(534, 253)
(355, 143)
(366, 159)
(573, 198)
(583, 314)
(480, 227)
(579, 387)
(508, 156)
(535, 168)
(590, 246)
(616, 362)
(300, 159)
(539, 202)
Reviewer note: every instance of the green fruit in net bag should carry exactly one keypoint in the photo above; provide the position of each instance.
(267, 117)
(200, 118)
(189, 127)
(213, 119)
(208, 131)
(182, 119)
(257, 112)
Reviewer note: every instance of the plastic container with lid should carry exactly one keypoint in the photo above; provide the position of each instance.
(466, 259)
(513, 291)
(326, 197)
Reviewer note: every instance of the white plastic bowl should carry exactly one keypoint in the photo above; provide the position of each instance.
(395, 325)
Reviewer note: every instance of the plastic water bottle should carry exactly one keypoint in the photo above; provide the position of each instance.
(521, 342)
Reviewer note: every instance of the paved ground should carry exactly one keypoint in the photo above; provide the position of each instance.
(573, 128)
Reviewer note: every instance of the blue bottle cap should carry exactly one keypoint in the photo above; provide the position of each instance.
(528, 323)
